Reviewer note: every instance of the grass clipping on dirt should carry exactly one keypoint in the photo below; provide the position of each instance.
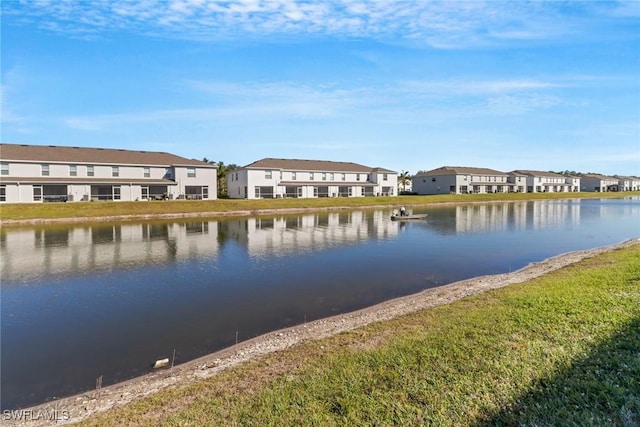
(563, 349)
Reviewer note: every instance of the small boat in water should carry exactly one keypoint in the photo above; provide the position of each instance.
(396, 217)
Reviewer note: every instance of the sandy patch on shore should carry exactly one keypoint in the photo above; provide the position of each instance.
(76, 408)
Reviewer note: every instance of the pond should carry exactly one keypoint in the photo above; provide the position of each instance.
(81, 302)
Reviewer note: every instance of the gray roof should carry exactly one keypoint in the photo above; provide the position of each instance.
(538, 173)
(461, 170)
(598, 176)
(312, 165)
(65, 154)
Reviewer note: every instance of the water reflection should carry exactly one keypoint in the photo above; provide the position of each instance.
(500, 217)
(81, 249)
(109, 299)
(281, 236)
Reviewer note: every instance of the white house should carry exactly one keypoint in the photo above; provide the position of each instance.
(461, 180)
(547, 182)
(39, 173)
(275, 178)
(600, 183)
(628, 183)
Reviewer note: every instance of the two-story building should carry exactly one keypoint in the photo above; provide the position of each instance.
(628, 183)
(599, 183)
(39, 173)
(276, 178)
(461, 180)
(547, 182)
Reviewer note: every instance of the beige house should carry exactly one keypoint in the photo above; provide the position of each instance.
(38, 173)
(547, 182)
(461, 180)
(278, 178)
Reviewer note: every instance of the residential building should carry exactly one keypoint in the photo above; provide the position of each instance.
(276, 178)
(461, 180)
(599, 183)
(628, 183)
(547, 182)
(38, 173)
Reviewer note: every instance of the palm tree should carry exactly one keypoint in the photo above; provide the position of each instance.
(403, 179)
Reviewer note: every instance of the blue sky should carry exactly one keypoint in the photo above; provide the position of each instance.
(406, 85)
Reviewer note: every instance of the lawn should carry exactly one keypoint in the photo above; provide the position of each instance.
(133, 210)
(562, 349)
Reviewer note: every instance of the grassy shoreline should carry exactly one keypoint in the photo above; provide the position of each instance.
(561, 349)
(86, 211)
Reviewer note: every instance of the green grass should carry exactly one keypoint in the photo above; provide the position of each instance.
(33, 211)
(562, 349)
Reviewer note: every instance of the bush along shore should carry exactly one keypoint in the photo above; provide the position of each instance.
(34, 213)
(558, 346)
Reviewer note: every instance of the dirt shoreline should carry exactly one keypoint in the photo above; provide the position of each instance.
(79, 407)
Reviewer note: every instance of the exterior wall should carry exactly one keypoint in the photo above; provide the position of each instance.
(327, 183)
(519, 183)
(79, 185)
(456, 183)
(597, 184)
(237, 184)
(204, 177)
(434, 184)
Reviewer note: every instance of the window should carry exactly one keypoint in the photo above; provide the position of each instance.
(384, 176)
(147, 172)
(73, 170)
(331, 176)
(267, 175)
(45, 170)
(90, 171)
(3, 193)
(191, 172)
(4, 168)
(357, 177)
(311, 176)
(344, 176)
(293, 176)
(324, 176)
(115, 171)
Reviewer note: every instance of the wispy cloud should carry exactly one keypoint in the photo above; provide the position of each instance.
(409, 101)
(442, 24)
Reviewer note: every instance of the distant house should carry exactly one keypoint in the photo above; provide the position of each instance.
(39, 173)
(547, 182)
(276, 178)
(599, 183)
(461, 180)
(628, 183)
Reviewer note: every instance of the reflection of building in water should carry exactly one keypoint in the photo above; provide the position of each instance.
(285, 235)
(482, 218)
(552, 214)
(491, 217)
(32, 253)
